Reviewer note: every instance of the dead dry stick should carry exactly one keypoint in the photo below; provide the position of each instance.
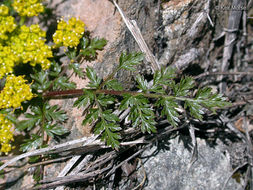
(67, 168)
(194, 156)
(230, 38)
(232, 173)
(222, 73)
(135, 31)
(126, 160)
(144, 176)
(71, 179)
(49, 149)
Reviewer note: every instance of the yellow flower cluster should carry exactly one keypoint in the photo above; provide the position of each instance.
(14, 92)
(6, 60)
(7, 23)
(28, 7)
(68, 34)
(6, 134)
(29, 46)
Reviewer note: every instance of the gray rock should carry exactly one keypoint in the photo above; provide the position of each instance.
(168, 169)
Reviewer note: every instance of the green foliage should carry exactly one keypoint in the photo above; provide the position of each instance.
(105, 100)
(33, 143)
(48, 116)
(77, 70)
(90, 46)
(71, 53)
(109, 128)
(9, 115)
(183, 87)
(54, 113)
(33, 119)
(163, 95)
(209, 100)
(63, 84)
(91, 116)
(92, 76)
(196, 110)
(53, 130)
(128, 61)
(113, 84)
(41, 82)
(169, 106)
(205, 99)
(55, 69)
(33, 159)
(107, 124)
(87, 98)
(142, 83)
(141, 113)
(163, 78)
(37, 174)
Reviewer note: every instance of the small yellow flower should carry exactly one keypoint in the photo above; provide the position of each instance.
(15, 92)
(6, 60)
(28, 44)
(4, 10)
(28, 7)
(6, 134)
(68, 34)
(7, 23)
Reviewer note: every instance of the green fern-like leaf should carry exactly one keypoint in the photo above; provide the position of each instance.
(196, 110)
(41, 82)
(94, 79)
(77, 69)
(63, 83)
(89, 47)
(109, 132)
(87, 98)
(33, 143)
(141, 113)
(33, 119)
(211, 100)
(128, 61)
(183, 88)
(92, 115)
(53, 130)
(169, 110)
(142, 83)
(113, 84)
(53, 113)
(163, 78)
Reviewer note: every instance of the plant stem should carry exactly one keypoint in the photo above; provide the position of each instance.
(80, 92)
(22, 20)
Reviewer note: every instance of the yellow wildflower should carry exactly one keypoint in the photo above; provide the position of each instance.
(4, 10)
(28, 7)
(7, 23)
(6, 60)
(15, 92)
(28, 45)
(6, 134)
(68, 34)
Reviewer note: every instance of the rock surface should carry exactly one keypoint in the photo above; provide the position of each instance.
(168, 169)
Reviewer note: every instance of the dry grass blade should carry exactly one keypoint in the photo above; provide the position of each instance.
(230, 38)
(135, 31)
